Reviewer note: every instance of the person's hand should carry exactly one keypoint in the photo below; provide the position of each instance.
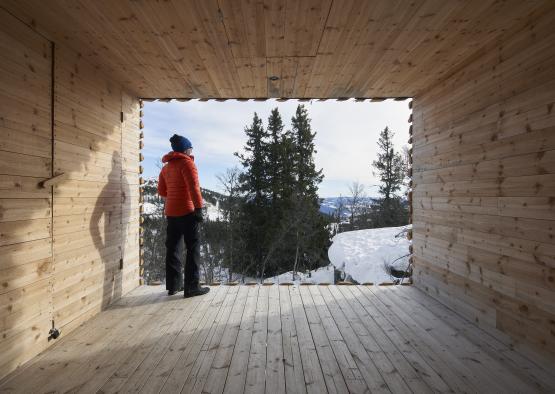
(199, 216)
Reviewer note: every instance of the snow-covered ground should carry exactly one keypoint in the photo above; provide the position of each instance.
(362, 254)
(320, 275)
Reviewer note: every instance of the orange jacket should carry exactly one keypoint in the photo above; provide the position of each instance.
(178, 182)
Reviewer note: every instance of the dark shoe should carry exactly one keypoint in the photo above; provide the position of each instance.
(196, 291)
(174, 292)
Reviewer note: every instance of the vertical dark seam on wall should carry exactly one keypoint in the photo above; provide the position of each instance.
(52, 102)
(122, 198)
(52, 135)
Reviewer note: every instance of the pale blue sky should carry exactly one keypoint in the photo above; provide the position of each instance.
(347, 133)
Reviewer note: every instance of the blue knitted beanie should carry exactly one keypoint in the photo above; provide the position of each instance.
(180, 143)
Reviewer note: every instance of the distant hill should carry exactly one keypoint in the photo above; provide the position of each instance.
(211, 196)
(213, 199)
(330, 205)
(154, 206)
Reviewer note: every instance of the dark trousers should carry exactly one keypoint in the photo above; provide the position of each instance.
(182, 228)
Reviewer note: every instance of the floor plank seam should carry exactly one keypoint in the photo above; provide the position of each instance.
(193, 306)
(193, 333)
(235, 339)
(147, 374)
(372, 359)
(344, 291)
(395, 345)
(365, 293)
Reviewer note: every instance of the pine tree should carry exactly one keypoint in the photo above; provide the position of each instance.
(254, 184)
(288, 176)
(308, 178)
(275, 154)
(389, 165)
(390, 169)
(279, 183)
(280, 220)
(310, 235)
(255, 178)
(280, 226)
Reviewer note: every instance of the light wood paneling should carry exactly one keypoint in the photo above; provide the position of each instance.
(90, 235)
(318, 48)
(25, 209)
(294, 339)
(484, 194)
(130, 183)
(481, 72)
(67, 255)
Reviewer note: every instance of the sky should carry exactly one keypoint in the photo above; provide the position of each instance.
(346, 136)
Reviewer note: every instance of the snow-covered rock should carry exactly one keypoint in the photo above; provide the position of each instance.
(362, 254)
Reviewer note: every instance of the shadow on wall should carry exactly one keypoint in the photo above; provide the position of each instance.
(115, 192)
(57, 244)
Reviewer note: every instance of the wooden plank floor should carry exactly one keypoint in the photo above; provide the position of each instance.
(278, 339)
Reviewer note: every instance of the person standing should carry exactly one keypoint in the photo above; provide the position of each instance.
(178, 185)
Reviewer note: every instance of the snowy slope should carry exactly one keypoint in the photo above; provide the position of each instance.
(362, 254)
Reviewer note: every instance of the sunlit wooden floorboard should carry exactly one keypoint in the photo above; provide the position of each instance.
(277, 339)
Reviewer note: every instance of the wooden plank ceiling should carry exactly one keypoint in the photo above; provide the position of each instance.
(315, 48)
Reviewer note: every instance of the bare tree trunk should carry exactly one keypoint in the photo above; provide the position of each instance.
(296, 255)
(230, 250)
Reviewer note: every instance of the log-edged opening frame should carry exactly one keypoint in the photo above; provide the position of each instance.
(283, 99)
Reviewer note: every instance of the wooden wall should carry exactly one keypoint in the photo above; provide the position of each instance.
(92, 208)
(132, 136)
(317, 48)
(25, 209)
(484, 189)
(69, 250)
